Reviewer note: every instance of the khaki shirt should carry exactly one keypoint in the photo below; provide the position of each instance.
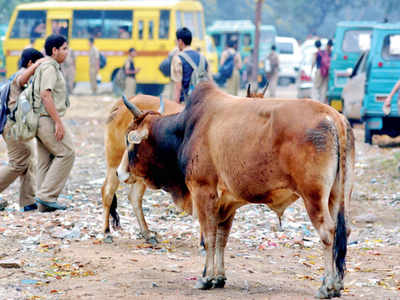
(94, 58)
(48, 76)
(237, 59)
(15, 89)
(176, 67)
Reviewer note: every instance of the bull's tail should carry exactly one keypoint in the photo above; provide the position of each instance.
(113, 212)
(340, 243)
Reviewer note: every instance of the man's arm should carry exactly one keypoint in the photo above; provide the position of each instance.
(176, 76)
(24, 77)
(388, 99)
(48, 102)
(178, 88)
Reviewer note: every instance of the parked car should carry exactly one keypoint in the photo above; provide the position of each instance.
(305, 75)
(351, 38)
(382, 73)
(289, 59)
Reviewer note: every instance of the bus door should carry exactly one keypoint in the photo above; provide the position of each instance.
(146, 42)
(59, 22)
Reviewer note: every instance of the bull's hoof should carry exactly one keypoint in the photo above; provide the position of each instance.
(219, 282)
(204, 284)
(108, 239)
(150, 237)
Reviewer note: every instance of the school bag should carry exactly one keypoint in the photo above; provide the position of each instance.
(4, 97)
(199, 73)
(226, 69)
(118, 83)
(103, 60)
(325, 63)
(165, 66)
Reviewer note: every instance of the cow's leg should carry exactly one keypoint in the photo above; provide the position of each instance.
(222, 238)
(135, 196)
(204, 200)
(108, 190)
(316, 203)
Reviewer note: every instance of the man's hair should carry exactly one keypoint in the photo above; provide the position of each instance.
(185, 35)
(273, 47)
(318, 43)
(231, 43)
(91, 39)
(330, 43)
(131, 50)
(29, 54)
(54, 41)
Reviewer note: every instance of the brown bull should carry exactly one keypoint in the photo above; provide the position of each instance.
(115, 145)
(221, 153)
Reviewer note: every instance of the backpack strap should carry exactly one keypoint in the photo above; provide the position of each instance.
(188, 60)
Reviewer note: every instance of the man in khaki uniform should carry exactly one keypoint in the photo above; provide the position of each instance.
(181, 70)
(273, 73)
(56, 152)
(233, 83)
(130, 72)
(94, 65)
(69, 69)
(20, 153)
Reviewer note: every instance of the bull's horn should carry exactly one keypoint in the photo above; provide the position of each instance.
(265, 89)
(248, 89)
(132, 107)
(162, 105)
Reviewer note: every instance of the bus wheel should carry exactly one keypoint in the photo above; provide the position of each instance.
(150, 89)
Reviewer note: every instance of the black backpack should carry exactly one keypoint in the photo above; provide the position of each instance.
(103, 61)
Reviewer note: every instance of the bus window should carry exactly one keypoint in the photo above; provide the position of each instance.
(217, 39)
(117, 24)
(163, 29)
(247, 40)
(151, 26)
(188, 21)
(87, 23)
(29, 24)
(391, 47)
(60, 27)
(178, 19)
(200, 25)
(140, 29)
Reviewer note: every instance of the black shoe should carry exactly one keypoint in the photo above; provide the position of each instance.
(29, 207)
(46, 206)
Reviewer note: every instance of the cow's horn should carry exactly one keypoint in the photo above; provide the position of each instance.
(162, 105)
(132, 107)
(248, 89)
(265, 89)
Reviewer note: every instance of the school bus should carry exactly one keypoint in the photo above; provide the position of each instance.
(148, 26)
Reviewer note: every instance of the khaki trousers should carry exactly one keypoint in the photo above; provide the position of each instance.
(273, 82)
(233, 83)
(20, 164)
(93, 81)
(130, 87)
(55, 160)
(320, 87)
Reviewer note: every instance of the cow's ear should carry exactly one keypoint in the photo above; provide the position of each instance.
(137, 136)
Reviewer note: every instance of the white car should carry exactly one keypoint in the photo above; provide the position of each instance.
(289, 59)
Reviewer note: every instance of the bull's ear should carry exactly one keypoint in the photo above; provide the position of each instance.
(137, 136)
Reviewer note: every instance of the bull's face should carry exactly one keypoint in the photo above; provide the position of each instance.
(136, 134)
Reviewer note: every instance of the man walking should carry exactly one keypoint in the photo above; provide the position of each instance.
(94, 65)
(233, 82)
(273, 74)
(181, 66)
(54, 141)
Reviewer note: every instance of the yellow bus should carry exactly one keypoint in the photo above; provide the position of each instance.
(148, 26)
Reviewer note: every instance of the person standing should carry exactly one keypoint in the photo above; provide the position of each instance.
(181, 69)
(55, 148)
(388, 99)
(322, 62)
(273, 74)
(94, 65)
(130, 72)
(233, 82)
(20, 162)
(69, 69)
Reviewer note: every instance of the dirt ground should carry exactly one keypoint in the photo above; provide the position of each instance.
(56, 259)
